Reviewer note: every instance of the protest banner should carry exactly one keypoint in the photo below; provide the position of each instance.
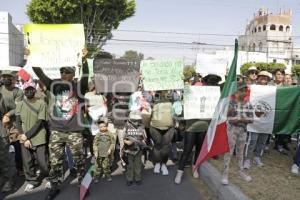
(213, 64)
(53, 46)
(162, 74)
(116, 75)
(200, 101)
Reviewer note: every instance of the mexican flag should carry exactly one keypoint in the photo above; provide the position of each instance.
(276, 109)
(216, 139)
(85, 184)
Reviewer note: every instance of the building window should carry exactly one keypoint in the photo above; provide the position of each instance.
(273, 27)
(280, 28)
(259, 29)
(264, 27)
(253, 47)
(287, 29)
(260, 46)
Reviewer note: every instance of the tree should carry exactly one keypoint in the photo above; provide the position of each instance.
(189, 71)
(133, 55)
(262, 66)
(296, 70)
(99, 17)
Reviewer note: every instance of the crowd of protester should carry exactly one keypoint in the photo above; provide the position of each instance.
(45, 122)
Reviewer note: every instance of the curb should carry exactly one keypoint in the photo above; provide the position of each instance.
(212, 178)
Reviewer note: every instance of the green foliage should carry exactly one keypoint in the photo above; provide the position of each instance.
(189, 71)
(296, 69)
(133, 55)
(270, 67)
(99, 17)
(104, 55)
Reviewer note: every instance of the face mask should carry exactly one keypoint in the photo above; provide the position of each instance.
(7, 82)
(29, 94)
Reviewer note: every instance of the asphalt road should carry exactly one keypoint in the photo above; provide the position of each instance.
(155, 186)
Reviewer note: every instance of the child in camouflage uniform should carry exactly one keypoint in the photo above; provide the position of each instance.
(240, 113)
(134, 142)
(103, 146)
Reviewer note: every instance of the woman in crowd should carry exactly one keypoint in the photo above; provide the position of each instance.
(161, 131)
(240, 113)
(195, 131)
(257, 141)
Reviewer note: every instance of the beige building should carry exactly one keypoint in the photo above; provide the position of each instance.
(267, 32)
(271, 34)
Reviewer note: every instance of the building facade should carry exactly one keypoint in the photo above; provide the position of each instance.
(271, 34)
(11, 42)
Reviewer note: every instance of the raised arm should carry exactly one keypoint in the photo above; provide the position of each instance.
(85, 76)
(43, 77)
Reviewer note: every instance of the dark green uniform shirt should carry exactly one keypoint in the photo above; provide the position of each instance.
(29, 117)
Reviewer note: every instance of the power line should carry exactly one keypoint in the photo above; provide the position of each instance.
(180, 33)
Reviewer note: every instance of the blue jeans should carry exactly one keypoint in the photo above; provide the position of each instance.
(297, 157)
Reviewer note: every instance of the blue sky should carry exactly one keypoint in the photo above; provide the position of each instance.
(226, 17)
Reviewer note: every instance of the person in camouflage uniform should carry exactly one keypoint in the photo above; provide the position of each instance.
(65, 121)
(103, 146)
(5, 172)
(134, 142)
(9, 96)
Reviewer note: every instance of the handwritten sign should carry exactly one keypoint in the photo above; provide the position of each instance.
(54, 45)
(200, 101)
(162, 74)
(116, 75)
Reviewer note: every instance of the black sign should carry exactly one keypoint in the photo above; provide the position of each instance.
(116, 75)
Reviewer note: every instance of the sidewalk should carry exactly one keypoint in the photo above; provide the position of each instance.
(212, 177)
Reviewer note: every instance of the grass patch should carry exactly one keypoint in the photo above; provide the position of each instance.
(272, 181)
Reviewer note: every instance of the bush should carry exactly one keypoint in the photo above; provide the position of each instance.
(189, 71)
(270, 67)
(296, 69)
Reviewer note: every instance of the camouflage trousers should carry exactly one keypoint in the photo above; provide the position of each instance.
(237, 139)
(102, 165)
(5, 171)
(57, 143)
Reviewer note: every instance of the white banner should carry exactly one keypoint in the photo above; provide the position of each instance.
(213, 64)
(200, 101)
(53, 46)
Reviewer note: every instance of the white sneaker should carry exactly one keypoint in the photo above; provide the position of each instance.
(258, 162)
(178, 177)
(224, 180)
(156, 168)
(48, 185)
(164, 170)
(247, 164)
(196, 174)
(38, 172)
(244, 176)
(295, 169)
(28, 188)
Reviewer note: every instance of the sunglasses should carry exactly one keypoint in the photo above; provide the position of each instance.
(63, 71)
(253, 73)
